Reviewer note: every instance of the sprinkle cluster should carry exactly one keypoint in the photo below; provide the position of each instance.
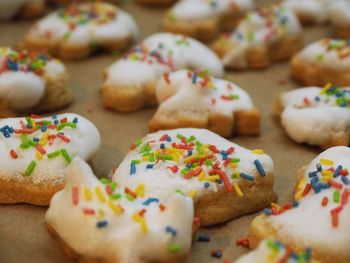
(22, 61)
(113, 200)
(339, 46)
(191, 159)
(38, 133)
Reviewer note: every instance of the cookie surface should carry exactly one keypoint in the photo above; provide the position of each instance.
(188, 99)
(317, 116)
(130, 82)
(31, 82)
(325, 61)
(320, 215)
(36, 150)
(112, 224)
(225, 180)
(263, 37)
(77, 30)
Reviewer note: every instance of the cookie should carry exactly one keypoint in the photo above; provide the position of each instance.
(189, 99)
(203, 19)
(317, 116)
(225, 180)
(309, 11)
(21, 8)
(319, 216)
(156, 3)
(108, 223)
(77, 30)
(35, 150)
(271, 251)
(31, 82)
(263, 37)
(325, 61)
(340, 18)
(130, 82)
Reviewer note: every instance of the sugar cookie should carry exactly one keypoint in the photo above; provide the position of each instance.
(320, 214)
(130, 82)
(189, 99)
(21, 8)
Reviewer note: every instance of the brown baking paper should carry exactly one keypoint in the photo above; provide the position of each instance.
(23, 236)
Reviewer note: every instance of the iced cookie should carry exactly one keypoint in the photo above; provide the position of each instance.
(203, 19)
(108, 223)
(31, 82)
(35, 151)
(319, 217)
(197, 100)
(225, 180)
(130, 82)
(263, 37)
(21, 8)
(323, 62)
(317, 116)
(270, 251)
(77, 30)
(309, 11)
(340, 17)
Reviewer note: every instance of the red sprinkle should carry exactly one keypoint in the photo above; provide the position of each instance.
(13, 154)
(230, 150)
(75, 195)
(306, 190)
(88, 211)
(325, 201)
(63, 138)
(164, 137)
(224, 178)
(109, 190)
(166, 78)
(162, 207)
(130, 192)
(40, 149)
(335, 184)
(244, 242)
(213, 148)
(174, 168)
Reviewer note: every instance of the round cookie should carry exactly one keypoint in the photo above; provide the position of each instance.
(263, 37)
(203, 19)
(340, 17)
(21, 8)
(188, 99)
(31, 82)
(325, 61)
(225, 180)
(35, 150)
(108, 223)
(130, 82)
(76, 31)
(319, 216)
(317, 116)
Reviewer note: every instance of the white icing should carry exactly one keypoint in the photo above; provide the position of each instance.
(310, 224)
(138, 68)
(202, 9)
(316, 122)
(181, 93)
(259, 30)
(57, 29)
(122, 240)
(161, 182)
(321, 54)
(340, 13)
(84, 142)
(316, 10)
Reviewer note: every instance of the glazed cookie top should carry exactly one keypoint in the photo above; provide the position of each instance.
(315, 115)
(270, 251)
(95, 23)
(316, 10)
(23, 74)
(190, 161)
(340, 12)
(179, 89)
(161, 53)
(201, 9)
(259, 28)
(37, 149)
(321, 208)
(329, 53)
(118, 224)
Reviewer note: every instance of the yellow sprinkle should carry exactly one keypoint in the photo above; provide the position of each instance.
(141, 221)
(326, 173)
(38, 155)
(192, 193)
(87, 194)
(140, 190)
(117, 209)
(237, 189)
(275, 205)
(258, 151)
(145, 158)
(212, 178)
(189, 159)
(298, 195)
(325, 88)
(326, 178)
(233, 165)
(326, 162)
(201, 176)
(101, 213)
(100, 194)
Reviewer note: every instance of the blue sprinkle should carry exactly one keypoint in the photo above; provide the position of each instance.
(224, 157)
(203, 238)
(294, 256)
(132, 168)
(36, 139)
(308, 253)
(151, 200)
(162, 146)
(29, 126)
(189, 165)
(101, 224)
(149, 166)
(313, 174)
(323, 185)
(43, 128)
(223, 152)
(337, 171)
(11, 130)
(171, 230)
(219, 181)
(319, 167)
(206, 185)
(12, 65)
(168, 139)
(295, 204)
(317, 98)
(54, 116)
(314, 185)
(189, 153)
(345, 180)
(194, 78)
(247, 176)
(75, 120)
(259, 168)
(55, 122)
(267, 211)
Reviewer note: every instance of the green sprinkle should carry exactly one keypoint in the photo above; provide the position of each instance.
(174, 248)
(113, 185)
(191, 139)
(30, 168)
(115, 196)
(66, 35)
(104, 181)
(272, 245)
(129, 197)
(136, 161)
(66, 155)
(179, 191)
(29, 121)
(53, 154)
(145, 148)
(185, 170)
(235, 160)
(25, 144)
(320, 57)
(208, 162)
(66, 124)
(336, 196)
